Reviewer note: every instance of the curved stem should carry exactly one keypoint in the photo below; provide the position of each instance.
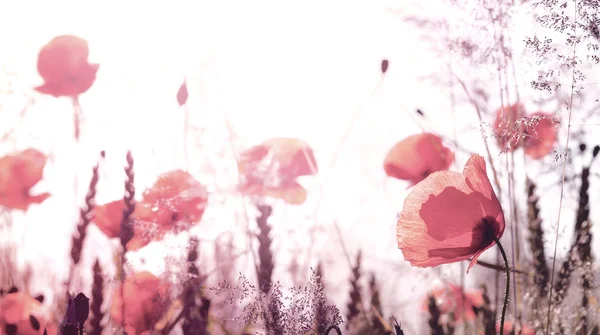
(334, 327)
(507, 284)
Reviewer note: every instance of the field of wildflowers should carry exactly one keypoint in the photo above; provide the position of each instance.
(494, 206)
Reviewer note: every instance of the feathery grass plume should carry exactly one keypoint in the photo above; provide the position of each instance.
(434, 317)
(265, 269)
(297, 317)
(97, 300)
(536, 242)
(195, 316)
(378, 325)
(85, 215)
(355, 297)
(319, 301)
(273, 322)
(584, 237)
(126, 233)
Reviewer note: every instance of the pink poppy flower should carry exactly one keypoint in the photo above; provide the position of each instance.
(450, 217)
(63, 64)
(540, 135)
(450, 299)
(417, 156)
(506, 129)
(271, 169)
(19, 172)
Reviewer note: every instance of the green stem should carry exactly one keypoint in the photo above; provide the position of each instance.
(507, 284)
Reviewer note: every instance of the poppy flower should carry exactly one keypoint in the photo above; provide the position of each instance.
(174, 203)
(146, 299)
(63, 64)
(450, 217)
(507, 127)
(19, 172)
(450, 299)
(175, 197)
(182, 94)
(22, 314)
(271, 169)
(416, 157)
(108, 217)
(540, 135)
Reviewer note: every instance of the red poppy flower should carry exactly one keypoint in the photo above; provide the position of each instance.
(63, 64)
(175, 197)
(146, 299)
(18, 174)
(540, 135)
(417, 156)
(450, 217)
(450, 299)
(507, 128)
(108, 217)
(182, 94)
(271, 169)
(22, 311)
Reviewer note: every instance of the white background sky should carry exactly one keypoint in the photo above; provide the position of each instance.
(270, 68)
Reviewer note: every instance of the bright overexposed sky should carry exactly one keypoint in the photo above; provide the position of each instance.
(255, 70)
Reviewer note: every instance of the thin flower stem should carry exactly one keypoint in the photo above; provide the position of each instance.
(507, 284)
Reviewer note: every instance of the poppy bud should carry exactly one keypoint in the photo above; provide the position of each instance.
(182, 94)
(596, 150)
(82, 307)
(384, 65)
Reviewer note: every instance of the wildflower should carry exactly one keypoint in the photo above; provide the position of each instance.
(172, 204)
(453, 299)
(272, 168)
(146, 300)
(63, 64)
(175, 196)
(416, 157)
(507, 128)
(540, 135)
(19, 172)
(450, 217)
(108, 217)
(21, 314)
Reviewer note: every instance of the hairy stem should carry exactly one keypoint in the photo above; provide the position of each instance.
(507, 284)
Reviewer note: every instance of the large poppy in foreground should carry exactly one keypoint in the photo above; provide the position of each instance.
(540, 135)
(19, 172)
(64, 66)
(272, 168)
(450, 217)
(416, 157)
